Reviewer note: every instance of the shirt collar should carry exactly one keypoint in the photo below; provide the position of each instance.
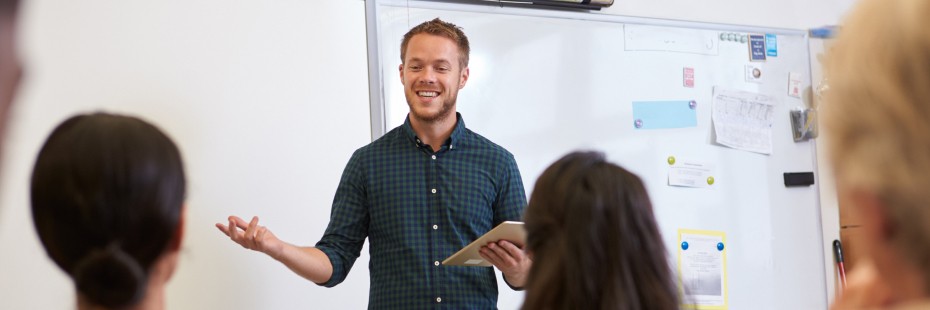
(454, 141)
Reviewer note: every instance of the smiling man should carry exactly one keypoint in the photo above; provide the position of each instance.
(419, 194)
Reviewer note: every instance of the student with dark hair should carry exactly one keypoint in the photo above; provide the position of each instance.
(107, 199)
(594, 240)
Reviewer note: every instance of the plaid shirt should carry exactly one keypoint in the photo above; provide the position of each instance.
(419, 207)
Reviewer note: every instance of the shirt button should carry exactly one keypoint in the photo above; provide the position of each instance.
(434, 191)
(436, 263)
(438, 299)
(435, 227)
(434, 157)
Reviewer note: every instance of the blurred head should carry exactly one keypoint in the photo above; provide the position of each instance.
(107, 193)
(877, 121)
(434, 66)
(10, 71)
(594, 240)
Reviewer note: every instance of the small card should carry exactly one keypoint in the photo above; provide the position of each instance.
(771, 45)
(756, 47)
(794, 85)
(689, 173)
(754, 73)
(688, 77)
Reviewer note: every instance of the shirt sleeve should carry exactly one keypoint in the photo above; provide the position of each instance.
(348, 224)
(511, 198)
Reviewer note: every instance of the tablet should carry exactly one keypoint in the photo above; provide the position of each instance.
(468, 256)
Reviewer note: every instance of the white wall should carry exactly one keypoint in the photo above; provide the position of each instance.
(267, 100)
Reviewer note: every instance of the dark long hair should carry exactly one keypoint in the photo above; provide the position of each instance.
(594, 240)
(107, 192)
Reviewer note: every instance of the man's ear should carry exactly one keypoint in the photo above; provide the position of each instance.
(464, 78)
(400, 68)
(175, 244)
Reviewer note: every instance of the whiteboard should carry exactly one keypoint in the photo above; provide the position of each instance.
(544, 83)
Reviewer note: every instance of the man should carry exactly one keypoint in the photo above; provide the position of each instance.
(419, 193)
(9, 64)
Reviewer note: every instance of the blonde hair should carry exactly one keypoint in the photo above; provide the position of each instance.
(438, 27)
(877, 115)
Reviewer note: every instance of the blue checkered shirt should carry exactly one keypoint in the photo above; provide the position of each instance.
(419, 207)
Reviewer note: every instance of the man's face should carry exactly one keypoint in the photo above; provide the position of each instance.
(432, 76)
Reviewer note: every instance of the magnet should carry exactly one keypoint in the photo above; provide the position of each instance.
(719, 246)
(684, 245)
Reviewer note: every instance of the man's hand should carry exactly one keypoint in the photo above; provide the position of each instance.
(252, 236)
(510, 259)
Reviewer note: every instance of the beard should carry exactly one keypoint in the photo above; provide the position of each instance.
(443, 112)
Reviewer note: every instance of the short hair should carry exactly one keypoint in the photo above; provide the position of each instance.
(107, 192)
(877, 115)
(440, 28)
(594, 240)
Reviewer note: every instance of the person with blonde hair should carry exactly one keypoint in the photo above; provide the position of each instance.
(877, 122)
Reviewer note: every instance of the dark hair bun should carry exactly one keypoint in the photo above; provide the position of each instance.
(109, 277)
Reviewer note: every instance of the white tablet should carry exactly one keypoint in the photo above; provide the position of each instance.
(468, 256)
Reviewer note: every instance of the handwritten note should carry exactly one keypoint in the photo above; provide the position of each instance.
(743, 120)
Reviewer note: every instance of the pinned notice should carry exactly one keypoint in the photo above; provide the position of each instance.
(688, 77)
(664, 114)
(756, 47)
(702, 264)
(689, 173)
(794, 85)
(743, 120)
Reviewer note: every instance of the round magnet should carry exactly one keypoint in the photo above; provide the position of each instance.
(692, 104)
(710, 180)
(719, 246)
(731, 37)
(742, 39)
(684, 245)
(723, 36)
(638, 123)
(671, 160)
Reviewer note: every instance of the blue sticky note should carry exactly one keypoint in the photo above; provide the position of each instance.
(664, 114)
(756, 47)
(771, 45)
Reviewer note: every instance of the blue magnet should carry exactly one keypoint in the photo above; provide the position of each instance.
(692, 104)
(638, 123)
(684, 245)
(719, 246)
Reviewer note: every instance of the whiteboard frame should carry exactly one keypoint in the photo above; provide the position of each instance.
(378, 115)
